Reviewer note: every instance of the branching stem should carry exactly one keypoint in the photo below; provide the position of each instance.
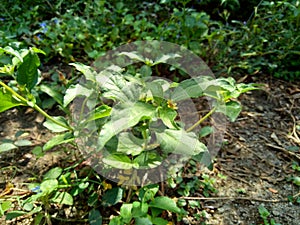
(36, 107)
(202, 119)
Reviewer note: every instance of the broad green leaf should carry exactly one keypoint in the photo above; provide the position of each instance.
(129, 144)
(296, 180)
(27, 73)
(95, 217)
(143, 221)
(206, 131)
(54, 173)
(58, 97)
(38, 151)
(23, 143)
(14, 214)
(148, 159)
(231, 109)
(63, 198)
(100, 112)
(76, 90)
(126, 212)
(119, 161)
(139, 209)
(7, 101)
(117, 220)
(55, 127)
(36, 50)
(124, 116)
(112, 196)
(48, 186)
(116, 87)
(38, 218)
(193, 88)
(168, 117)
(159, 221)
(58, 139)
(7, 147)
(165, 203)
(133, 56)
(165, 58)
(226, 83)
(263, 211)
(148, 192)
(85, 70)
(180, 142)
(146, 71)
(4, 206)
(11, 51)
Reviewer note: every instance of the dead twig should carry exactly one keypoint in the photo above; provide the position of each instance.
(236, 198)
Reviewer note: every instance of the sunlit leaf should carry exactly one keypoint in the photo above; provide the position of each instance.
(7, 101)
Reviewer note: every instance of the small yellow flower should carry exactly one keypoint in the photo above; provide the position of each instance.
(172, 105)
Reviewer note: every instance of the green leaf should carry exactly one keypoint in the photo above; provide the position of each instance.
(112, 196)
(168, 117)
(148, 192)
(165, 203)
(63, 198)
(85, 70)
(119, 161)
(192, 88)
(58, 139)
(133, 55)
(95, 217)
(38, 151)
(23, 142)
(264, 213)
(231, 109)
(296, 180)
(58, 97)
(11, 51)
(126, 212)
(165, 58)
(124, 116)
(100, 112)
(76, 90)
(117, 220)
(27, 73)
(14, 214)
(139, 209)
(180, 142)
(143, 221)
(159, 221)
(117, 87)
(48, 186)
(55, 127)
(148, 159)
(129, 144)
(36, 50)
(4, 206)
(7, 147)
(206, 131)
(7, 101)
(38, 218)
(54, 173)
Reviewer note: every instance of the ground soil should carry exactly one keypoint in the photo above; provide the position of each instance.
(256, 158)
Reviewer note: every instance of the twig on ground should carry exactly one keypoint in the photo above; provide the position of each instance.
(236, 198)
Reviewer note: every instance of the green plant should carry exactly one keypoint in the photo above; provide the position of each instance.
(264, 214)
(151, 106)
(146, 209)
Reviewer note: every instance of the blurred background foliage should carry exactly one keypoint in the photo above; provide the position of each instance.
(232, 36)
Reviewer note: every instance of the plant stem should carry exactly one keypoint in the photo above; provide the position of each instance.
(36, 107)
(202, 119)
